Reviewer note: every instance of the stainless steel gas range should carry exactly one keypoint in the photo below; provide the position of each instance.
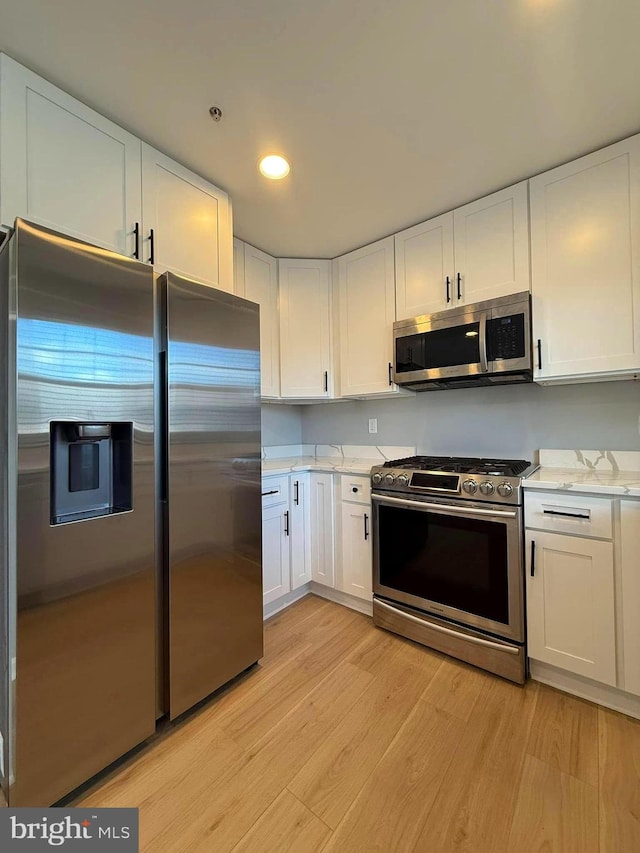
(448, 557)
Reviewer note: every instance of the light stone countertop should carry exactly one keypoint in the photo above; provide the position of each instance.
(339, 459)
(600, 472)
(326, 464)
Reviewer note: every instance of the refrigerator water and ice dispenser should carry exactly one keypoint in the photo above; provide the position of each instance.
(91, 470)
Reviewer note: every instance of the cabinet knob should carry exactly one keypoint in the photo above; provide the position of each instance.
(354, 489)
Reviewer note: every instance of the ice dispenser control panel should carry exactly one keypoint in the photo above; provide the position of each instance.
(91, 470)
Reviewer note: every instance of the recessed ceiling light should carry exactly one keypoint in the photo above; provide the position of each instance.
(274, 166)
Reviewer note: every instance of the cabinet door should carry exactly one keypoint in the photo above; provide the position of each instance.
(305, 354)
(424, 268)
(356, 550)
(322, 537)
(275, 552)
(190, 220)
(238, 267)
(585, 238)
(300, 529)
(63, 165)
(261, 286)
(366, 295)
(491, 241)
(570, 604)
(630, 598)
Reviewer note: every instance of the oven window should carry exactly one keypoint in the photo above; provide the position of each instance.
(455, 561)
(439, 348)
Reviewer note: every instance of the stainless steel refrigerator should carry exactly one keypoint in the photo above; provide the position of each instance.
(130, 577)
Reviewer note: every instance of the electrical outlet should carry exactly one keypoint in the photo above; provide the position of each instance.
(373, 425)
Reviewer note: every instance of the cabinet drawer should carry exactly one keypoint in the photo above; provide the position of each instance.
(356, 488)
(568, 513)
(275, 490)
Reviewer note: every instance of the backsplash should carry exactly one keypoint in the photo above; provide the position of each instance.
(341, 451)
(591, 460)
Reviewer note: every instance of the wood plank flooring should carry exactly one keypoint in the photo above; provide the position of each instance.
(347, 738)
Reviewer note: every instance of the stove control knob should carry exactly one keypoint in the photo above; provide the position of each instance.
(505, 490)
(486, 488)
(376, 478)
(470, 487)
(389, 479)
(402, 480)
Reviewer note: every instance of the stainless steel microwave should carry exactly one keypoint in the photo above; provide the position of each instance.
(487, 343)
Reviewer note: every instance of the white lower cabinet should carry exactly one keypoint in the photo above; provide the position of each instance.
(355, 536)
(276, 556)
(276, 538)
(322, 529)
(570, 604)
(286, 518)
(299, 529)
(630, 594)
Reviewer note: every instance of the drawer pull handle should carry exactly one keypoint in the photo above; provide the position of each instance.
(272, 492)
(566, 514)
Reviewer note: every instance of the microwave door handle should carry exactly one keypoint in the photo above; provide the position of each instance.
(482, 342)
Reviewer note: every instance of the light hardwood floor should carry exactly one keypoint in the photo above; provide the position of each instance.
(348, 738)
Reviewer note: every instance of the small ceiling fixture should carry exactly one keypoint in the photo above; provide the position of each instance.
(274, 166)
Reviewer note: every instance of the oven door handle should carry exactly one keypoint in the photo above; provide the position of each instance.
(479, 641)
(456, 510)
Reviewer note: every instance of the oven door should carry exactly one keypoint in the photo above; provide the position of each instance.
(428, 349)
(461, 560)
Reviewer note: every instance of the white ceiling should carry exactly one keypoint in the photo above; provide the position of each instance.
(391, 111)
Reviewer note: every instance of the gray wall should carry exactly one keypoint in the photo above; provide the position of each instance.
(281, 424)
(512, 421)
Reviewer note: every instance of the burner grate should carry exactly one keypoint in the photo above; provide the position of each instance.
(461, 464)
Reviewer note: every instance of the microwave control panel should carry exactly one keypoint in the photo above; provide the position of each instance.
(505, 337)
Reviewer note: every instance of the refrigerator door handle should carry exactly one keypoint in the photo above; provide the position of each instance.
(164, 425)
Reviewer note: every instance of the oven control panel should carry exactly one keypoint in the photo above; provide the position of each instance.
(478, 487)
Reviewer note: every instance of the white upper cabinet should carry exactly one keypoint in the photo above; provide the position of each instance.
(424, 267)
(477, 252)
(491, 246)
(64, 166)
(585, 241)
(261, 286)
(305, 337)
(238, 267)
(366, 310)
(187, 222)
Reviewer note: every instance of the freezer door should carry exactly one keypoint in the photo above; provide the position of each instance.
(84, 631)
(214, 565)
